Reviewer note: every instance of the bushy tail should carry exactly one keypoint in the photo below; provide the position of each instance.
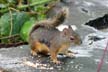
(55, 21)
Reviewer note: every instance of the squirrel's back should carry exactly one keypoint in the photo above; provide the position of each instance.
(44, 35)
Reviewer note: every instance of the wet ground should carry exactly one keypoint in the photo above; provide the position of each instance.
(18, 59)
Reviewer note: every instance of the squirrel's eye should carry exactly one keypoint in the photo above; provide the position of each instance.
(71, 38)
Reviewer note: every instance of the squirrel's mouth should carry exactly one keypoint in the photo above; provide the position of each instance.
(72, 38)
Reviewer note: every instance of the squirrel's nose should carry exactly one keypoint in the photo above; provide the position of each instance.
(81, 42)
(78, 42)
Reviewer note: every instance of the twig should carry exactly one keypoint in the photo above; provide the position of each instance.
(14, 9)
(33, 4)
(7, 9)
(11, 23)
(10, 36)
(7, 45)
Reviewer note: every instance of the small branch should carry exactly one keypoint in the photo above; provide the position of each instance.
(7, 9)
(19, 7)
(33, 4)
(14, 9)
(9, 36)
(11, 23)
(4, 45)
(3, 10)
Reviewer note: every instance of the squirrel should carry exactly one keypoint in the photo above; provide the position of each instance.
(46, 38)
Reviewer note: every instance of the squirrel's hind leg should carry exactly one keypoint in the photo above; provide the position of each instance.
(44, 49)
(35, 47)
(39, 48)
(33, 53)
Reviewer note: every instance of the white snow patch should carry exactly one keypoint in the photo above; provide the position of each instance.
(61, 27)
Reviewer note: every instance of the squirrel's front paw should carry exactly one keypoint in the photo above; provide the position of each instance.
(33, 53)
(71, 55)
(56, 62)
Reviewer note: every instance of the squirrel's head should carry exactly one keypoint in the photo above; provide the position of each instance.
(70, 36)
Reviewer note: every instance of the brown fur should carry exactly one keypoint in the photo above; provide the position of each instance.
(45, 38)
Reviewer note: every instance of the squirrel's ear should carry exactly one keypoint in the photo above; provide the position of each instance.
(69, 26)
(65, 31)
